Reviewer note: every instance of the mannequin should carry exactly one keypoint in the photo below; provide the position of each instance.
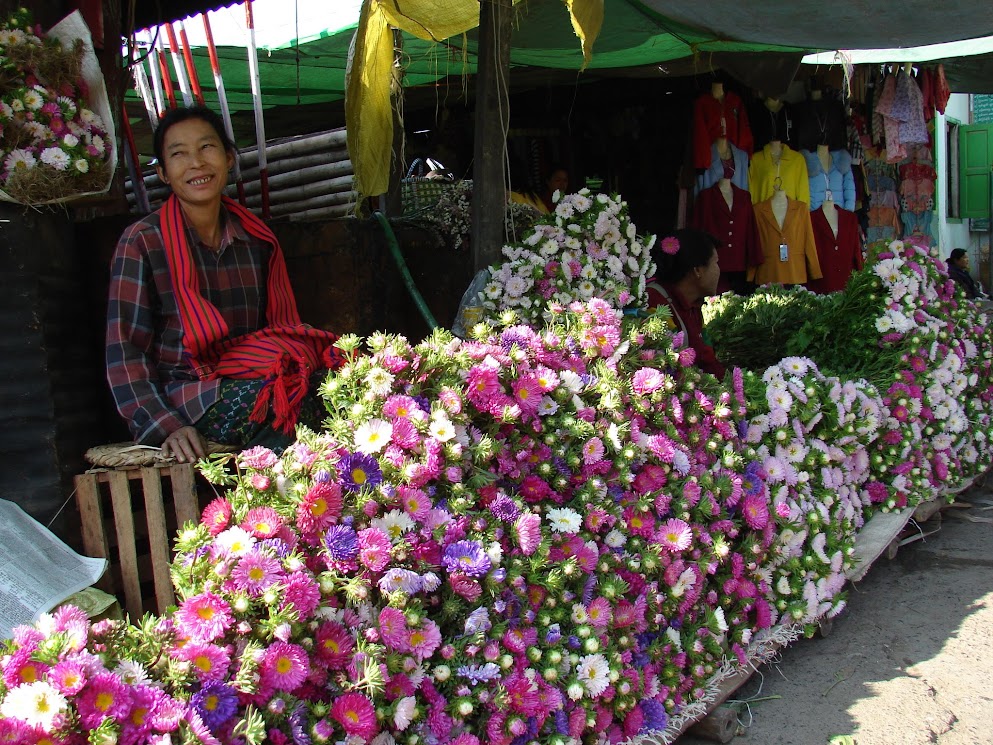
(830, 177)
(776, 150)
(778, 164)
(723, 148)
(771, 119)
(774, 105)
(820, 120)
(831, 215)
(839, 248)
(780, 204)
(824, 155)
(719, 114)
(725, 188)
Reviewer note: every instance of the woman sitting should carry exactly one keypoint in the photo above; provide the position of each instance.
(687, 273)
(203, 337)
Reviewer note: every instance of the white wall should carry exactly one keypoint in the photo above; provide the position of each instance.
(954, 234)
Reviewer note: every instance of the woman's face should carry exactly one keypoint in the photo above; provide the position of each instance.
(962, 262)
(195, 163)
(708, 276)
(558, 181)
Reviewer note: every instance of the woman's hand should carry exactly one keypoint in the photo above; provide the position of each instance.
(186, 444)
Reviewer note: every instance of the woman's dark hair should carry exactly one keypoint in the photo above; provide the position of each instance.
(175, 116)
(695, 249)
(956, 254)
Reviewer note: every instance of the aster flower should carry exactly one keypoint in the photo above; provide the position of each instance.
(203, 617)
(208, 661)
(755, 511)
(594, 674)
(284, 666)
(258, 457)
(342, 543)
(333, 645)
(564, 520)
(319, 507)
(216, 703)
(37, 704)
(374, 549)
(216, 516)
(255, 572)
(675, 535)
(468, 558)
(262, 522)
(372, 436)
(359, 471)
(356, 714)
(104, 696)
(394, 524)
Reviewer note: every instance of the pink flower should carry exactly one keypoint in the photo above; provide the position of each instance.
(527, 394)
(262, 522)
(527, 528)
(405, 434)
(284, 666)
(593, 450)
(303, 593)
(393, 628)
(203, 618)
(333, 646)
(374, 549)
(400, 407)
(208, 661)
(104, 696)
(755, 511)
(259, 481)
(423, 641)
(675, 535)
(670, 245)
(600, 613)
(216, 516)
(647, 380)
(320, 506)
(255, 573)
(415, 502)
(482, 386)
(638, 522)
(258, 458)
(356, 714)
(465, 586)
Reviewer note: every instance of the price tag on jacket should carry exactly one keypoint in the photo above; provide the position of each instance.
(784, 253)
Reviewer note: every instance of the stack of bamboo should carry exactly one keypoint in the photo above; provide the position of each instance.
(309, 177)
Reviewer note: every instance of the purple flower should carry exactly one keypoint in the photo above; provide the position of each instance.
(478, 620)
(342, 543)
(655, 717)
(479, 673)
(468, 558)
(216, 703)
(504, 508)
(298, 725)
(359, 471)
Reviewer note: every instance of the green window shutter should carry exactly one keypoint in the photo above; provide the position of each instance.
(975, 163)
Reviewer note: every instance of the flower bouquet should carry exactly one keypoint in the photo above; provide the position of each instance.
(586, 248)
(56, 134)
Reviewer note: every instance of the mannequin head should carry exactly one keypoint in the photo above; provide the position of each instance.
(693, 268)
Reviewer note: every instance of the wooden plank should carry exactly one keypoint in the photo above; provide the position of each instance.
(91, 516)
(120, 495)
(184, 493)
(875, 538)
(158, 537)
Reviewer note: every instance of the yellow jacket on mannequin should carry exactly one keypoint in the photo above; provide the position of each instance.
(791, 170)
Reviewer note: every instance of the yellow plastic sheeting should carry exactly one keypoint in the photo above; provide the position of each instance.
(370, 77)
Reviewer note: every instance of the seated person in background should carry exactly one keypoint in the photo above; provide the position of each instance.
(686, 273)
(557, 181)
(958, 269)
(203, 336)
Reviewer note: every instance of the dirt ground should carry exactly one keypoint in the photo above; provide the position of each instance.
(909, 661)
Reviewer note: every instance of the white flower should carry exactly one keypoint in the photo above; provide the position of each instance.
(131, 672)
(55, 157)
(685, 582)
(404, 713)
(564, 520)
(594, 673)
(579, 613)
(615, 539)
(33, 101)
(441, 428)
(36, 703)
(380, 381)
(19, 160)
(395, 523)
(235, 541)
(493, 290)
(91, 119)
(81, 164)
(372, 436)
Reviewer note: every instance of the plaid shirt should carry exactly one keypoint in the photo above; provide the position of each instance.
(154, 386)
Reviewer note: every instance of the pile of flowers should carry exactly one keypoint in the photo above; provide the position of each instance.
(586, 248)
(51, 145)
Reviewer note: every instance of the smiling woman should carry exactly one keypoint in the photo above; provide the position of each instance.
(203, 335)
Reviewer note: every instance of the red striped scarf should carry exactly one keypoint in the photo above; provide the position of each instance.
(285, 352)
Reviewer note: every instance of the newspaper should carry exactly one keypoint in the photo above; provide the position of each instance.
(37, 570)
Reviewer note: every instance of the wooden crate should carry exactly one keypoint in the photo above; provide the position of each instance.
(129, 516)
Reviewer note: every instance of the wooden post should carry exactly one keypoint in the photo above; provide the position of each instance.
(489, 197)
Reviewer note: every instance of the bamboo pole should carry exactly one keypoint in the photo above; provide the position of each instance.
(222, 99)
(319, 192)
(133, 162)
(291, 165)
(253, 67)
(191, 69)
(328, 200)
(164, 69)
(323, 213)
(331, 140)
(177, 62)
(144, 92)
(155, 73)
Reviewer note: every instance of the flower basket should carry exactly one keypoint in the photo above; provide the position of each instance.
(57, 134)
(424, 184)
